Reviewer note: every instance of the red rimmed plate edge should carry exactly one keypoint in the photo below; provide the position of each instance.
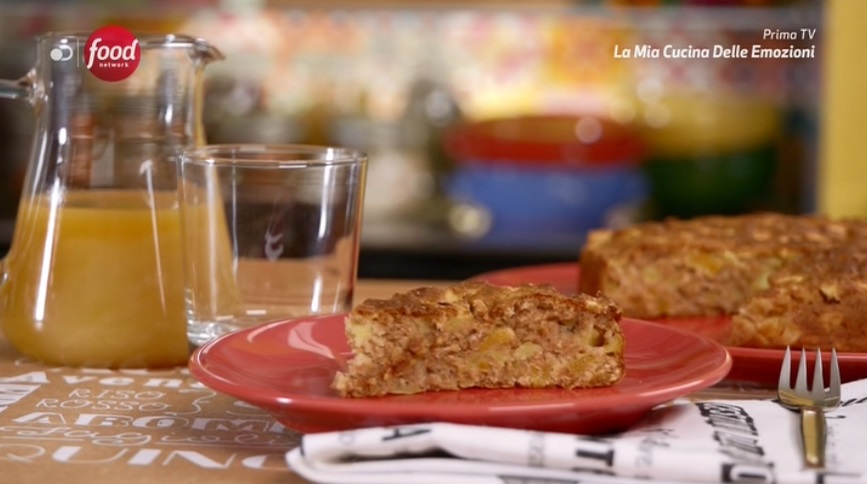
(269, 398)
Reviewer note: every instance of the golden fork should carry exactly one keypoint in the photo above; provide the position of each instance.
(811, 403)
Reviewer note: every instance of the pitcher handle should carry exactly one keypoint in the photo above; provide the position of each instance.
(22, 88)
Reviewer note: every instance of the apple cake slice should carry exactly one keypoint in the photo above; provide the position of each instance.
(475, 334)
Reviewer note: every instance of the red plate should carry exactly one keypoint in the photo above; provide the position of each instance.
(749, 364)
(286, 368)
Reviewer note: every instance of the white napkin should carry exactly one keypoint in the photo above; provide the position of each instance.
(754, 441)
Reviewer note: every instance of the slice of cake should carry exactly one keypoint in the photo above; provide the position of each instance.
(705, 266)
(820, 302)
(475, 334)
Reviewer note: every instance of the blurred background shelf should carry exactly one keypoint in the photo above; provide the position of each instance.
(396, 78)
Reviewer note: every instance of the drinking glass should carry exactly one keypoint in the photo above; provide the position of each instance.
(270, 232)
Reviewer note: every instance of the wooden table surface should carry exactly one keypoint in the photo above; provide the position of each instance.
(60, 424)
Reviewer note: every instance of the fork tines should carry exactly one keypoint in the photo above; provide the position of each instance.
(818, 388)
(811, 404)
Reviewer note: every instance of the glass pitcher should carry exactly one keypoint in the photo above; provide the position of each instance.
(93, 276)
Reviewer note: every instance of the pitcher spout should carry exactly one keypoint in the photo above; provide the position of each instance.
(200, 49)
(207, 52)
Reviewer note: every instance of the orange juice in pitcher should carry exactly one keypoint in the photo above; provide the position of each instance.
(94, 275)
(114, 294)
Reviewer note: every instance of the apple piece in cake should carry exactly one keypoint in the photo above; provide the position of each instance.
(475, 334)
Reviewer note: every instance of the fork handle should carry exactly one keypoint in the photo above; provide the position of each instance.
(813, 435)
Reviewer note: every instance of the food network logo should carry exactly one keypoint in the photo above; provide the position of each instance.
(111, 53)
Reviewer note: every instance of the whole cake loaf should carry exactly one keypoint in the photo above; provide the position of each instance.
(475, 334)
(705, 266)
(784, 279)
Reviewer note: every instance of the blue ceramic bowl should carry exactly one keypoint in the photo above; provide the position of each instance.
(547, 201)
(540, 175)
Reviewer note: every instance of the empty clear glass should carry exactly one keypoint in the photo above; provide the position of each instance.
(271, 232)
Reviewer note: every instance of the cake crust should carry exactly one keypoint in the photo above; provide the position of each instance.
(476, 334)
